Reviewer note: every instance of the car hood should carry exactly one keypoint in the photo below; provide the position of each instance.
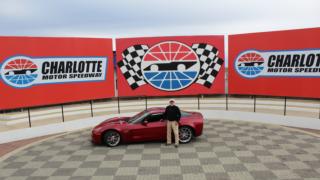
(115, 120)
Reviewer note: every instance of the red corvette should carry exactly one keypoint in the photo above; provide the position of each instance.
(147, 125)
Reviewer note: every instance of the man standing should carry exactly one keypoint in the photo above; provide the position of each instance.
(172, 114)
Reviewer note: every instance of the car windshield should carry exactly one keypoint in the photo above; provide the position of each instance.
(138, 117)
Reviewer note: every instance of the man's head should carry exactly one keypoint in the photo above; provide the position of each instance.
(171, 102)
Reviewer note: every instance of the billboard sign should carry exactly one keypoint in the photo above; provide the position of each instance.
(43, 71)
(170, 66)
(279, 63)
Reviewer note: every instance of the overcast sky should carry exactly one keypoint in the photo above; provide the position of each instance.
(127, 18)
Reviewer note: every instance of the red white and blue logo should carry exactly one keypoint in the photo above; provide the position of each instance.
(20, 72)
(170, 65)
(24, 71)
(279, 63)
(250, 64)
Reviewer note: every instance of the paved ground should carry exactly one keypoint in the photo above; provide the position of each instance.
(226, 150)
(11, 146)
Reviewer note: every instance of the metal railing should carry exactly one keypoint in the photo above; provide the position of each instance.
(130, 104)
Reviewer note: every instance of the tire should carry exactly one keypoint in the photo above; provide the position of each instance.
(112, 138)
(185, 134)
(154, 67)
(181, 67)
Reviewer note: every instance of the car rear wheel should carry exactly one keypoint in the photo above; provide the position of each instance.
(112, 138)
(185, 134)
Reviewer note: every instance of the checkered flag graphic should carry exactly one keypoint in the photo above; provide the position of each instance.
(131, 63)
(210, 63)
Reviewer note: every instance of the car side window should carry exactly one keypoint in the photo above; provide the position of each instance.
(155, 117)
(184, 114)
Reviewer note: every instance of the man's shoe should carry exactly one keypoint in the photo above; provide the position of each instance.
(175, 145)
(167, 144)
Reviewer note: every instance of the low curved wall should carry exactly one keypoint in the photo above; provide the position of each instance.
(25, 133)
(64, 113)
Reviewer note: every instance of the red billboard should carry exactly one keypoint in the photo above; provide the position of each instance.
(280, 63)
(43, 71)
(161, 66)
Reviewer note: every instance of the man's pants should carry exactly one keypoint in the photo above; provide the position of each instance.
(172, 125)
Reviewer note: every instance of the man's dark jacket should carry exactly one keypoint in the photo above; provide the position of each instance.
(172, 113)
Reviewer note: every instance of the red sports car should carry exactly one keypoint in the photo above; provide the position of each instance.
(147, 125)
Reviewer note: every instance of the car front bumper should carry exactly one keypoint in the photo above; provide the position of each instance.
(96, 138)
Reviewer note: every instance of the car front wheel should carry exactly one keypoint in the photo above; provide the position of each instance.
(185, 134)
(112, 138)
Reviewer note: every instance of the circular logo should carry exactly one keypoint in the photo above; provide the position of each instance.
(19, 71)
(249, 64)
(170, 66)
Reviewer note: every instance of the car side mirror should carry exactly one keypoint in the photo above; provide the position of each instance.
(144, 122)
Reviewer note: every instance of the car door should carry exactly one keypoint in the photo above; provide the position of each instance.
(156, 126)
(154, 129)
(137, 131)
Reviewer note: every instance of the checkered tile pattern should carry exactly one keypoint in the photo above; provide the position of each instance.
(226, 150)
(210, 63)
(131, 63)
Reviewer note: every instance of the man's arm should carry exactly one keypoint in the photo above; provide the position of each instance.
(165, 114)
(178, 113)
